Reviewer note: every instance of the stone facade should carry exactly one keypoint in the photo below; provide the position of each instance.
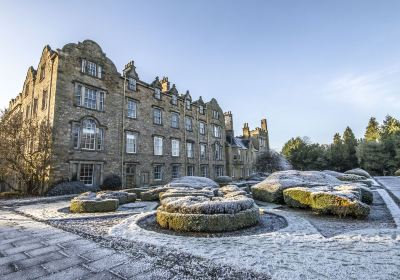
(241, 152)
(105, 122)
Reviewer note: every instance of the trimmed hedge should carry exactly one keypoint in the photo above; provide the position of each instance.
(208, 223)
(93, 206)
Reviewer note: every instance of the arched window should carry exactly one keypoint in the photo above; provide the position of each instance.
(87, 135)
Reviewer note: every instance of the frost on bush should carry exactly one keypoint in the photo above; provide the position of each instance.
(316, 190)
(192, 182)
(223, 180)
(105, 201)
(271, 161)
(342, 201)
(66, 188)
(225, 210)
(188, 182)
(359, 172)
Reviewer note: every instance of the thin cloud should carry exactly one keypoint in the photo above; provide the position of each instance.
(366, 91)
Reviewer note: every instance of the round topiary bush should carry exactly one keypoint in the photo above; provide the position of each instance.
(111, 182)
(229, 210)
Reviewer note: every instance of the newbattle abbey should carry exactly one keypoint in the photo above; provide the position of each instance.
(104, 122)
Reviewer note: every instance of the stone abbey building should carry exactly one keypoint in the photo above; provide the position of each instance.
(104, 122)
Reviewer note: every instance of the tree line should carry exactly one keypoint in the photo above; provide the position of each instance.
(378, 151)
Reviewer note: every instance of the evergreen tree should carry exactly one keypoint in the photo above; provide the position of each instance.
(350, 144)
(336, 153)
(372, 157)
(389, 127)
(372, 132)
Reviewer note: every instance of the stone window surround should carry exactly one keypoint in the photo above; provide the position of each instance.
(203, 130)
(136, 144)
(128, 99)
(205, 150)
(189, 125)
(98, 89)
(178, 141)
(174, 113)
(190, 152)
(79, 143)
(157, 94)
(132, 86)
(162, 145)
(160, 171)
(84, 65)
(79, 162)
(161, 110)
(175, 173)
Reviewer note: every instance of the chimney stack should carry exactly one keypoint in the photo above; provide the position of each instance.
(246, 130)
(264, 126)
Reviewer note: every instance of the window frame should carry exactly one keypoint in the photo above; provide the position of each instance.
(189, 152)
(158, 150)
(134, 142)
(175, 150)
(157, 119)
(160, 172)
(188, 126)
(133, 109)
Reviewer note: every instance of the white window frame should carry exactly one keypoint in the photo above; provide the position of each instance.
(158, 146)
(202, 128)
(190, 149)
(131, 142)
(218, 151)
(191, 168)
(217, 131)
(131, 108)
(86, 174)
(188, 123)
(174, 100)
(175, 173)
(157, 119)
(175, 147)
(157, 93)
(203, 151)
(188, 104)
(175, 122)
(132, 84)
(158, 172)
(219, 171)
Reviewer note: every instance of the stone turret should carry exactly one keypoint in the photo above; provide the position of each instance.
(229, 124)
(246, 130)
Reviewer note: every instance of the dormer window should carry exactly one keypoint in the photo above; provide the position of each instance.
(91, 68)
(188, 104)
(174, 100)
(201, 109)
(132, 84)
(157, 93)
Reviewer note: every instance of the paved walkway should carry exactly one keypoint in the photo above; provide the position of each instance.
(392, 184)
(30, 249)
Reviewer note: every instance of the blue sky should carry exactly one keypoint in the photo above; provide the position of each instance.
(310, 67)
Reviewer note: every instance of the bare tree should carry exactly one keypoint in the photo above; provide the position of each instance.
(25, 152)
